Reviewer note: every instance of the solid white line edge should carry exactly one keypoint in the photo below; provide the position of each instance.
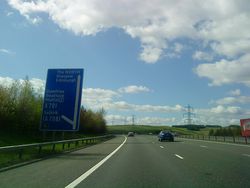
(202, 146)
(90, 171)
(246, 155)
(180, 157)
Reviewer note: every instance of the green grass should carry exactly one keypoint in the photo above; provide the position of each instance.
(10, 138)
(139, 129)
(15, 138)
(8, 158)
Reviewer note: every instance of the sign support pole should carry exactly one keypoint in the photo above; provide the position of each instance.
(53, 135)
(63, 135)
(44, 135)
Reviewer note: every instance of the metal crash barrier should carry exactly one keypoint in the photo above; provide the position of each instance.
(10, 155)
(229, 139)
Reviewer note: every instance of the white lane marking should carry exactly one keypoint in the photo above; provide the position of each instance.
(203, 146)
(180, 157)
(247, 155)
(90, 171)
(241, 145)
(161, 147)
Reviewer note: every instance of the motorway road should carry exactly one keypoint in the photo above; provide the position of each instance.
(141, 162)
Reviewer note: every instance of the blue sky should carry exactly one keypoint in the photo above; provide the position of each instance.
(150, 61)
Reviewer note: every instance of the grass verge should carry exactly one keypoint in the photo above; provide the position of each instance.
(13, 157)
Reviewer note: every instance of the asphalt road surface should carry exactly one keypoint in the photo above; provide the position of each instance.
(140, 161)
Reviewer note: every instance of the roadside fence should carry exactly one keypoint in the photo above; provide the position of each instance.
(230, 139)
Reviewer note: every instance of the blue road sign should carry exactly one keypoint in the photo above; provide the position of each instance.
(62, 100)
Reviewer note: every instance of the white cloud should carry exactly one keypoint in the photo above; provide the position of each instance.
(150, 54)
(9, 13)
(133, 89)
(5, 51)
(227, 72)
(234, 100)
(100, 94)
(225, 112)
(113, 104)
(234, 121)
(222, 110)
(222, 121)
(174, 51)
(112, 117)
(163, 108)
(222, 115)
(235, 92)
(223, 25)
(98, 98)
(199, 55)
(38, 85)
(178, 47)
(120, 120)
(6, 81)
(155, 121)
(229, 31)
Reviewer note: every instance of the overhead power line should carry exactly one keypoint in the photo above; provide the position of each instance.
(189, 115)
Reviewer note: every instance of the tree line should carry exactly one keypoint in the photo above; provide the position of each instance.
(21, 108)
(196, 127)
(226, 131)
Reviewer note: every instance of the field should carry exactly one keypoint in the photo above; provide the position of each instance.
(144, 129)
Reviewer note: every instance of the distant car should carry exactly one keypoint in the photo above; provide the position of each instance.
(131, 134)
(165, 135)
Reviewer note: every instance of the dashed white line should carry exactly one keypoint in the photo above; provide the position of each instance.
(90, 171)
(161, 147)
(180, 157)
(247, 155)
(203, 146)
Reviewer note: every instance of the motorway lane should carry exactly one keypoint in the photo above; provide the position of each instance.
(141, 162)
(137, 164)
(215, 164)
(145, 162)
(59, 171)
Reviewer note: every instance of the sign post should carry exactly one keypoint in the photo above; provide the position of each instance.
(62, 100)
(245, 131)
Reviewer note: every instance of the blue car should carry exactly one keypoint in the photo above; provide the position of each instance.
(165, 135)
